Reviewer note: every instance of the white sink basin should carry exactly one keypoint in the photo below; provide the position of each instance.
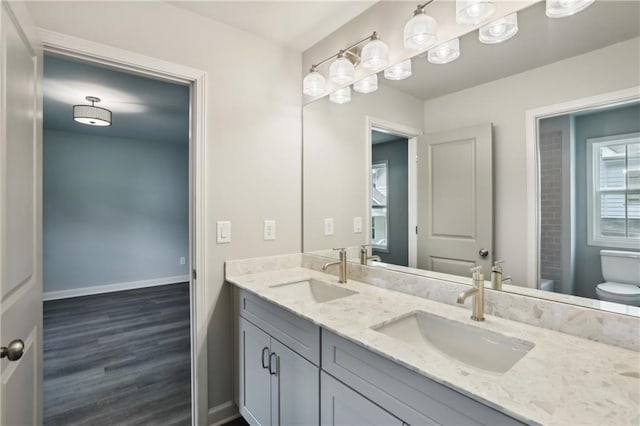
(313, 290)
(471, 345)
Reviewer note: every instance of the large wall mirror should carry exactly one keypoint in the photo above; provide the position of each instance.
(437, 172)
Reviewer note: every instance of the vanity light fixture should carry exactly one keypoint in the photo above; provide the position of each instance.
(341, 96)
(367, 85)
(91, 114)
(563, 8)
(399, 71)
(472, 12)
(499, 30)
(445, 52)
(375, 56)
(420, 31)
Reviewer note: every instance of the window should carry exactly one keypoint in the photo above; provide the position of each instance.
(613, 174)
(379, 210)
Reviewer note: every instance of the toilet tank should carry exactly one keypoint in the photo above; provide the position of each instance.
(620, 266)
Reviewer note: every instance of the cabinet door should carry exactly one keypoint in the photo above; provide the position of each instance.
(295, 391)
(255, 381)
(342, 406)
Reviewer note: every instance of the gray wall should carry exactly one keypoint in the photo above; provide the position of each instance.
(588, 273)
(115, 210)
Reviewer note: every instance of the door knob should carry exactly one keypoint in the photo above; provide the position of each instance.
(14, 351)
(483, 252)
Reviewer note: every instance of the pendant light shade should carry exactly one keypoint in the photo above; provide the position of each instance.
(341, 71)
(420, 31)
(445, 52)
(366, 85)
(375, 54)
(472, 12)
(563, 8)
(499, 30)
(399, 71)
(341, 96)
(314, 84)
(91, 114)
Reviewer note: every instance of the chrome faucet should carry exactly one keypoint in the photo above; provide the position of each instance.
(343, 265)
(477, 292)
(496, 276)
(364, 255)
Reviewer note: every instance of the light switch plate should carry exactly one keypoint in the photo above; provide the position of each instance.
(223, 232)
(357, 224)
(269, 230)
(328, 226)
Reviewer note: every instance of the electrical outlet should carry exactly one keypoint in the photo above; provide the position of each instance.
(183, 260)
(223, 232)
(269, 230)
(357, 224)
(328, 226)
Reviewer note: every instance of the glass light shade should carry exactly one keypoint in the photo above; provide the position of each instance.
(471, 12)
(420, 32)
(445, 52)
(92, 115)
(314, 84)
(366, 85)
(341, 96)
(563, 8)
(499, 30)
(341, 71)
(375, 55)
(399, 71)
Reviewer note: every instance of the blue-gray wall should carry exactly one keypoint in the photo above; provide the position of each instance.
(115, 210)
(588, 273)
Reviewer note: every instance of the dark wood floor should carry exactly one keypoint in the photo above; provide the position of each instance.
(118, 358)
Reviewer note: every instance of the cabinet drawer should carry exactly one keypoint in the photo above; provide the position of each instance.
(298, 334)
(409, 396)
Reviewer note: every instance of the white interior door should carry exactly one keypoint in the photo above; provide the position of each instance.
(20, 218)
(457, 201)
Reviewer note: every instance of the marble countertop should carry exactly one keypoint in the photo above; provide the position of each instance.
(563, 380)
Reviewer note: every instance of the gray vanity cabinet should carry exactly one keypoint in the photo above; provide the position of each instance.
(255, 379)
(342, 406)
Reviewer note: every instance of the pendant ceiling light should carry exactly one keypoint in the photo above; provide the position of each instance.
(375, 54)
(314, 83)
(91, 114)
(472, 12)
(445, 52)
(499, 30)
(341, 70)
(341, 96)
(563, 8)
(399, 71)
(366, 85)
(420, 31)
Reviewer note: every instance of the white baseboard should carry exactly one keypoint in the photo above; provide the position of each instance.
(108, 288)
(223, 413)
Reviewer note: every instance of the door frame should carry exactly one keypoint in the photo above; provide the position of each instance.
(412, 136)
(532, 119)
(120, 59)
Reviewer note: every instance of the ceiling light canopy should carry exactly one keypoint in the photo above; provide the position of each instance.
(366, 85)
(91, 114)
(563, 8)
(445, 52)
(375, 54)
(499, 30)
(399, 71)
(420, 31)
(472, 12)
(341, 96)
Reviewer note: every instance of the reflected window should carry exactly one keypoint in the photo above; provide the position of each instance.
(614, 196)
(379, 208)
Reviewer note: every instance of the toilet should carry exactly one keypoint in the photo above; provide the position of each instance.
(621, 270)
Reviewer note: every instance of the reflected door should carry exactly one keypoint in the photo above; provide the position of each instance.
(456, 201)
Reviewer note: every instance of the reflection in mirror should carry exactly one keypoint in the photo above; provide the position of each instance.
(472, 193)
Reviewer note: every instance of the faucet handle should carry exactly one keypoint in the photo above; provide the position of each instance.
(497, 266)
(340, 249)
(475, 269)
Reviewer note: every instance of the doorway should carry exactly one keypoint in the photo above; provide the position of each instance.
(117, 243)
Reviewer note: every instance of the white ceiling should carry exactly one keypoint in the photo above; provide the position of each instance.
(295, 24)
